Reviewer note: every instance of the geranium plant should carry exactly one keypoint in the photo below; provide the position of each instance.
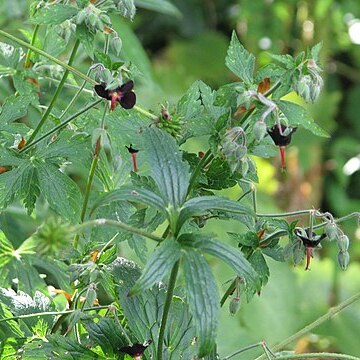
(109, 174)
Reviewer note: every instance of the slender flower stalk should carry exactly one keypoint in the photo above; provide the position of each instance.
(32, 42)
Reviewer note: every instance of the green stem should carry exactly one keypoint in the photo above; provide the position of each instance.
(339, 220)
(60, 126)
(322, 355)
(32, 42)
(49, 313)
(168, 300)
(52, 58)
(246, 348)
(286, 214)
(88, 187)
(331, 313)
(56, 94)
(145, 112)
(118, 224)
(202, 163)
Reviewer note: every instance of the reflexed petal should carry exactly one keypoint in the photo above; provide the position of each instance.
(128, 100)
(128, 86)
(100, 89)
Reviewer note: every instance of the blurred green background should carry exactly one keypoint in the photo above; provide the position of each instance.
(173, 51)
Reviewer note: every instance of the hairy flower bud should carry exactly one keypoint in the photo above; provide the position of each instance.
(343, 243)
(116, 44)
(260, 130)
(343, 259)
(331, 230)
(234, 305)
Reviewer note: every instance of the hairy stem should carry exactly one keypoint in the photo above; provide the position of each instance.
(331, 313)
(118, 224)
(321, 355)
(145, 112)
(246, 348)
(168, 300)
(60, 126)
(32, 42)
(56, 94)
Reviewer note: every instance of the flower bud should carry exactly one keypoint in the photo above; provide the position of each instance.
(234, 305)
(343, 243)
(331, 231)
(343, 259)
(260, 130)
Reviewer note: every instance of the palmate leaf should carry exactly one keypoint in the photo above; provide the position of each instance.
(143, 313)
(203, 297)
(240, 61)
(169, 171)
(62, 193)
(298, 116)
(158, 266)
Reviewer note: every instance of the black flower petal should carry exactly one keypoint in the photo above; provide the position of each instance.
(136, 349)
(128, 100)
(100, 89)
(278, 137)
(131, 149)
(306, 240)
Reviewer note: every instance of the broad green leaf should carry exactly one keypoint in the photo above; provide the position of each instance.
(102, 58)
(144, 311)
(62, 193)
(169, 171)
(259, 264)
(15, 107)
(202, 204)
(287, 60)
(6, 250)
(107, 334)
(9, 55)
(249, 238)
(53, 14)
(240, 61)
(134, 194)
(203, 297)
(64, 348)
(21, 303)
(298, 116)
(161, 6)
(230, 255)
(315, 50)
(158, 266)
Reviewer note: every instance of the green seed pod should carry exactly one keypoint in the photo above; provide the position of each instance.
(116, 44)
(343, 243)
(331, 231)
(234, 305)
(343, 259)
(259, 130)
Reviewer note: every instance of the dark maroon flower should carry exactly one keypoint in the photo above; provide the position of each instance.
(123, 94)
(133, 153)
(136, 350)
(309, 244)
(277, 133)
